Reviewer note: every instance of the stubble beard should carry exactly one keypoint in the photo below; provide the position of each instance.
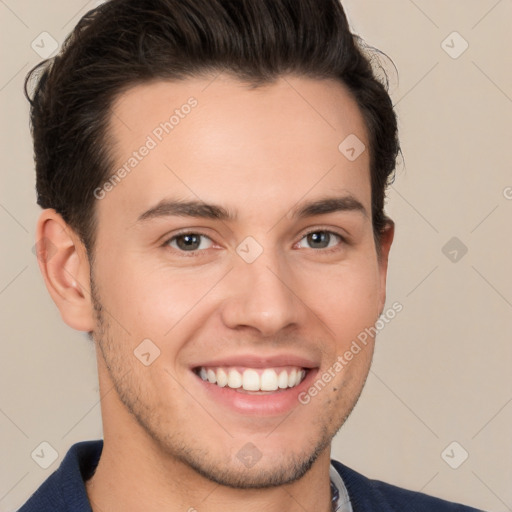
(177, 447)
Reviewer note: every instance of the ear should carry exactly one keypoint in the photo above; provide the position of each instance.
(386, 239)
(64, 264)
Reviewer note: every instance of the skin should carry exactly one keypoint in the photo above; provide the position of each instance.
(258, 153)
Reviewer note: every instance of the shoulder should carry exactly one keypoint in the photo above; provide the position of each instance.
(64, 490)
(366, 494)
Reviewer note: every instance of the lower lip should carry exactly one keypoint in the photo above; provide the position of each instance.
(264, 404)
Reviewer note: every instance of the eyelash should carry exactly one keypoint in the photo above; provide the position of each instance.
(199, 252)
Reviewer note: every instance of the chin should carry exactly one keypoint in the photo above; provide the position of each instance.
(254, 473)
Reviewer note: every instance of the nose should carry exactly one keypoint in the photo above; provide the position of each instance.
(261, 297)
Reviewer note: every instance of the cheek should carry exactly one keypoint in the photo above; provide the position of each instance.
(150, 300)
(345, 298)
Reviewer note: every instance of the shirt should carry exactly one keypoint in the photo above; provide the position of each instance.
(64, 490)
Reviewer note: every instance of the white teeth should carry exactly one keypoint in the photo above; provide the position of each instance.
(282, 380)
(234, 379)
(253, 380)
(212, 377)
(269, 380)
(222, 378)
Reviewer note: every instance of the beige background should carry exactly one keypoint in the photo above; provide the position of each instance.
(442, 366)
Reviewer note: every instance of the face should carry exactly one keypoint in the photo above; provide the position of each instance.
(234, 263)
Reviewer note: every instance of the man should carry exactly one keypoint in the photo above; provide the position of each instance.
(213, 175)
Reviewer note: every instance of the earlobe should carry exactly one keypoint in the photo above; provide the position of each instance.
(64, 265)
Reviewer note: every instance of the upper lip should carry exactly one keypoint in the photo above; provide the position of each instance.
(259, 361)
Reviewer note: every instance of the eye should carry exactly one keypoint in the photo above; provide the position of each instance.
(320, 239)
(189, 242)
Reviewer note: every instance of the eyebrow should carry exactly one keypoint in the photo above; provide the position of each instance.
(168, 208)
(200, 209)
(346, 203)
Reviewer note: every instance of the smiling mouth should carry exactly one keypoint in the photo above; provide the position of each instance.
(253, 379)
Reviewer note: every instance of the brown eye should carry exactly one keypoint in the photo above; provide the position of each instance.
(189, 242)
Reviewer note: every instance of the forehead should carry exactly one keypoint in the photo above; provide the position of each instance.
(219, 140)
